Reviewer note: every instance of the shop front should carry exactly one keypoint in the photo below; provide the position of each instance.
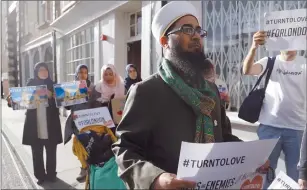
(231, 25)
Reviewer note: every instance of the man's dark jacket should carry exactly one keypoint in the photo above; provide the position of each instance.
(303, 160)
(155, 122)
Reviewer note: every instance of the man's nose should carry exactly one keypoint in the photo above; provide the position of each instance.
(196, 36)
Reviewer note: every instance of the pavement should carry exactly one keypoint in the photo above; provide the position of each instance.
(68, 166)
(13, 174)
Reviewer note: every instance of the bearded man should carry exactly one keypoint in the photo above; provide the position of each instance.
(172, 106)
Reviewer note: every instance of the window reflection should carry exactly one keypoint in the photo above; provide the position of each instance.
(139, 22)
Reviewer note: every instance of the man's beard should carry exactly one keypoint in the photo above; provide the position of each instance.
(189, 65)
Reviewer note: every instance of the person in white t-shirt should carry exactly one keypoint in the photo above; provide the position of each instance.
(283, 113)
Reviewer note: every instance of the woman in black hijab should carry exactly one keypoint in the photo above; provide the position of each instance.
(70, 127)
(42, 128)
(132, 76)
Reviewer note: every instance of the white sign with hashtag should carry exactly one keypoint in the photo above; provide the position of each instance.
(286, 30)
(95, 116)
(222, 165)
(282, 181)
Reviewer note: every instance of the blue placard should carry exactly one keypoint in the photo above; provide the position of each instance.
(71, 93)
(29, 97)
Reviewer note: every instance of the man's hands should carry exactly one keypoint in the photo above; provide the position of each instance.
(169, 181)
(74, 117)
(258, 39)
(264, 168)
(9, 100)
(302, 184)
(49, 94)
(89, 91)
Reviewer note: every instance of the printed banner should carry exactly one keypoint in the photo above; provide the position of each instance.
(71, 93)
(282, 181)
(222, 165)
(118, 105)
(96, 116)
(29, 97)
(286, 30)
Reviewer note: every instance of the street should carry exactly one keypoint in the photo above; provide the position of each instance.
(13, 174)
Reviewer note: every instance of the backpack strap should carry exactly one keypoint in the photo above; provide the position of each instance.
(268, 71)
(270, 66)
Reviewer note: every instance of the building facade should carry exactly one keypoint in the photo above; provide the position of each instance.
(37, 35)
(94, 32)
(3, 46)
(108, 29)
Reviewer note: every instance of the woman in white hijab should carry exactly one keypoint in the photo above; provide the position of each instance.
(110, 86)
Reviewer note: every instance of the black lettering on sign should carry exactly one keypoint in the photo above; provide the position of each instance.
(193, 161)
(285, 184)
(218, 162)
(287, 32)
(286, 20)
(219, 184)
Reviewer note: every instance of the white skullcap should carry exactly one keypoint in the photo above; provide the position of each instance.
(169, 14)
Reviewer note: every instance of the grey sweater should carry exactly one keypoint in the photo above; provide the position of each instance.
(303, 160)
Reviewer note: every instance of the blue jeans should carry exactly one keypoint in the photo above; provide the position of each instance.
(289, 142)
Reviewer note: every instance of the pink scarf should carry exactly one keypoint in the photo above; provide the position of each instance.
(107, 90)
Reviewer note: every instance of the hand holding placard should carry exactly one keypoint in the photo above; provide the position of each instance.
(264, 168)
(302, 184)
(258, 39)
(50, 94)
(170, 181)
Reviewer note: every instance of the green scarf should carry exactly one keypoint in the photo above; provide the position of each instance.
(201, 104)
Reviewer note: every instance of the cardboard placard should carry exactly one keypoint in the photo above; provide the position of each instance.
(286, 30)
(228, 165)
(96, 116)
(118, 105)
(282, 181)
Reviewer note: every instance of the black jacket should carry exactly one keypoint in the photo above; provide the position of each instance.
(303, 160)
(155, 122)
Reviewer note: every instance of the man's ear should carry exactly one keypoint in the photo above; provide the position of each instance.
(164, 41)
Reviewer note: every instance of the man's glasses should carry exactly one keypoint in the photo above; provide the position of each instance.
(189, 30)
